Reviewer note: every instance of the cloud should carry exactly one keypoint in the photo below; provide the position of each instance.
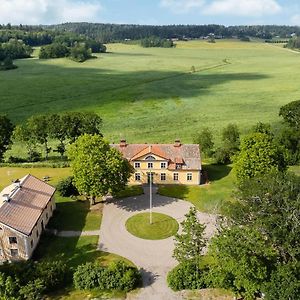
(182, 6)
(48, 11)
(251, 8)
(295, 20)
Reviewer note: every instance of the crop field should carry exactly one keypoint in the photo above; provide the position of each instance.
(151, 95)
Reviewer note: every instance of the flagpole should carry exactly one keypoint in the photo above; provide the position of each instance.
(150, 196)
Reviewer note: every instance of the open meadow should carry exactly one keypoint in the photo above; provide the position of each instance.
(151, 95)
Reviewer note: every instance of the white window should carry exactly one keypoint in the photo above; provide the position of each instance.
(150, 165)
(163, 176)
(189, 176)
(137, 177)
(14, 252)
(175, 176)
(137, 165)
(13, 240)
(163, 165)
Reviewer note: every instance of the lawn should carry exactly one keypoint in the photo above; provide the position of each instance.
(8, 174)
(149, 95)
(162, 226)
(210, 198)
(75, 215)
(130, 191)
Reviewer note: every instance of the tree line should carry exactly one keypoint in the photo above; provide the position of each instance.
(40, 129)
(10, 50)
(156, 42)
(119, 32)
(281, 146)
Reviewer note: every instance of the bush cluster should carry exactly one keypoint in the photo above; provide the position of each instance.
(117, 276)
(66, 188)
(187, 276)
(31, 280)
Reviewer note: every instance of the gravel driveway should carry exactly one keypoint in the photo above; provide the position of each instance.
(154, 258)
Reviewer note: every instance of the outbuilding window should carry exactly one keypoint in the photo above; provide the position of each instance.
(14, 252)
(13, 240)
(175, 176)
(163, 176)
(189, 176)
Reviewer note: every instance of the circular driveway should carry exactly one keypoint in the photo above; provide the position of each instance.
(153, 257)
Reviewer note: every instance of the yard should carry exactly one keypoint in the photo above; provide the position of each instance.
(210, 198)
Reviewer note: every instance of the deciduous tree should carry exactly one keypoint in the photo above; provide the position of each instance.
(189, 243)
(6, 131)
(98, 169)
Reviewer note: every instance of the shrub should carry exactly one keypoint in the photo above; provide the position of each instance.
(187, 275)
(120, 276)
(223, 156)
(53, 274)
(66, 188)
(33, 290)
(117, 276)
(86, 277)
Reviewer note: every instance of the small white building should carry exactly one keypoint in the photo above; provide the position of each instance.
(26, 207)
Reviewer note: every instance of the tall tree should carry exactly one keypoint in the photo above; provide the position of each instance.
(6, 131)
(259, 155)
(291, 114)
(205, 141)
(190, 243)
(231, 137)
(98, 169)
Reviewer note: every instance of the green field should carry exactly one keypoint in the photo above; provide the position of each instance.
(149, 95)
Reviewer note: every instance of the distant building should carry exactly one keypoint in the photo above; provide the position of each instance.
(166, 163)
(26, 207)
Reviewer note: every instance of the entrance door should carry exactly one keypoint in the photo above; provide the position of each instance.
(150, 178)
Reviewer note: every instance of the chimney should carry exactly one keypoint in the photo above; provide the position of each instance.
(17, 183)
(177, 143)
(5, 198)
(123, 143)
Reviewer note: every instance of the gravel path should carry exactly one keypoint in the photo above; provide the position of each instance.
(154, 258)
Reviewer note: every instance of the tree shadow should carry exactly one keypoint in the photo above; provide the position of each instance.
(148, 277)
(216, 172)
(58, 88)
(142, 202)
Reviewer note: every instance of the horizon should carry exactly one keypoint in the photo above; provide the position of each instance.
(156, 12)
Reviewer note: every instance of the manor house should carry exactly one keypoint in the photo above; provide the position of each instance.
(163, 163)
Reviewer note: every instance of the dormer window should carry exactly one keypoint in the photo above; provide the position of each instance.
(150, 157)
(178, 166)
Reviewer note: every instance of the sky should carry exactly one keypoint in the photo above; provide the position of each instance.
(152, 12)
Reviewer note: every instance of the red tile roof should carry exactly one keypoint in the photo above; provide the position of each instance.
(26, 204)
(186, 154)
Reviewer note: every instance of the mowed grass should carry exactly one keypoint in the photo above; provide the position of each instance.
(8, 174)
(213, 197)
(162, 226)
(75, 215)
(149, 95)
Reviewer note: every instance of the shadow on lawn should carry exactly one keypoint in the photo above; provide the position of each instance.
(70, 215)
(142, 202)
(69, 250)
(216, 172)
(98, 87)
